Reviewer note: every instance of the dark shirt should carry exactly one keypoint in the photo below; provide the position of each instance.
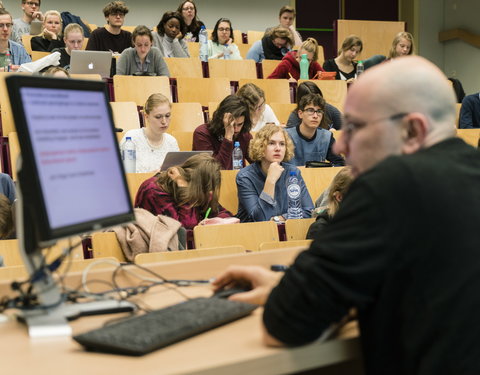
(403, 249)
(331, 66)
(222, 148)
(64, 58)
(39, 43)
(470, 112)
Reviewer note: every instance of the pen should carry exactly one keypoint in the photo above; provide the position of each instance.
(290, 75)
(208, 212)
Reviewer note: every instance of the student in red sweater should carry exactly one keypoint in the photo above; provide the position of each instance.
(230, 123)
(289, 67)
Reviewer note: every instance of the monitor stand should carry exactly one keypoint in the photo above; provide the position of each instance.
(50, 316)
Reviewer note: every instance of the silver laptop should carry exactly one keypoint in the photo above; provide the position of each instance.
(179, 157)
(91, 62)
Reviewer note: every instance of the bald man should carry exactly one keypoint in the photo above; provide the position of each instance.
(404, 248)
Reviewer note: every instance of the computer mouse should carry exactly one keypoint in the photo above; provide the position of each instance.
(225, 293)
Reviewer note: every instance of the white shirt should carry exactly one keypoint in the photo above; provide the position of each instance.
(149, 158)
(267, 116)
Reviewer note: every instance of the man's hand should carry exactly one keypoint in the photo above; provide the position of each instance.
(258, 278)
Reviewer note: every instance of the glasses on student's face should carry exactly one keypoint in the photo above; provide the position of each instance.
(6, 25)
(222, 29)
(350, 126)
(311, 111)
(32, 4)
(121, 15)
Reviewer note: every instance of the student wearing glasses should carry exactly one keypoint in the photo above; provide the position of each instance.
(222, 45)
(188, 10)
(152, 143)
(311, 139)
(9, 49)
(21, 26)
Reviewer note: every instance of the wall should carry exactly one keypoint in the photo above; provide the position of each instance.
(245, 14)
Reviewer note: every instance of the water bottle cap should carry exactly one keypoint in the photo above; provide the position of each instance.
(129, 138)
(236, 144)
(360, 62)
(202, 27)
(293, 173)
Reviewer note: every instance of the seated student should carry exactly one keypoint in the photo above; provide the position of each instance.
(332, 115)
(312, 141)
(260, 112)
(169, 36)
(470, 112)
(222, 45)
(184, 192)
(230, 123)
(335, 193)
(73, 38)
(344, 64)
(18, 55)
(273, 46)
(51, 36)
(142, 59)
(286, 17)
(55, 71)
(289, 67)
(152, 143)
(188, 10)
(402, 45)
(7, 187)
(22, 26)
(262, 186)
(7, 224)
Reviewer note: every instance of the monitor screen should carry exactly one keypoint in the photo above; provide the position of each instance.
(72, 178)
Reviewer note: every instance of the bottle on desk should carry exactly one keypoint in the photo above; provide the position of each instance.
(304, 65)
(294, 197)
(129, 156)
(226, 53)
(203, 40)
(237, 156)
(360, 68)
(8, 62)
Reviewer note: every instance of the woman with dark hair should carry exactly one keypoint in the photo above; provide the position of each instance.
(185, 192)
(188, 10)
(169, 36)
(222, 45)
(230, 123)
(344, 64)
(142, 59)
(333, 116)
(273, 46)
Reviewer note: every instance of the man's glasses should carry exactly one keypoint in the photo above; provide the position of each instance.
(311, 111)
(117, 15)
(32, 4)
(351, 126)
(6, 25)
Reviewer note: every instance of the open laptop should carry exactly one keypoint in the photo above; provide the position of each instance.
(179, 157)
(91, 62)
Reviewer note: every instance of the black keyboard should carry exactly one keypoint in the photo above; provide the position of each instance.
(143, 334)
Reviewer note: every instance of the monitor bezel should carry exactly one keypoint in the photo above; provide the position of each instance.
(32, 189)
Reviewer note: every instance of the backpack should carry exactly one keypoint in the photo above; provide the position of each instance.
(68, 18)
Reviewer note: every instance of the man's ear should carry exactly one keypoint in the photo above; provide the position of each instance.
(414, 132)
(299, 114)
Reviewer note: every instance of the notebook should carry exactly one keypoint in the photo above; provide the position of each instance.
(91, 62)
(179, 157)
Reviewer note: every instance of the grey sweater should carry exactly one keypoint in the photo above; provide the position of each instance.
(129, 63)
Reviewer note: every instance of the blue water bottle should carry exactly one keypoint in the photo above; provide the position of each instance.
(237, 156)
(129, 156)
(203, 40)
(304, 65)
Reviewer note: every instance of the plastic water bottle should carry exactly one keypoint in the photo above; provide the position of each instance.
(129, 156)
(8, 62)
(304, 64)
(294, 197)
(226, 53)
(360, 68)
(237, 156)
(203, 40)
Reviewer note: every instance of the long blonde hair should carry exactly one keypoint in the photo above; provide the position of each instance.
(401, 35)
(310, 45)
(340, 184)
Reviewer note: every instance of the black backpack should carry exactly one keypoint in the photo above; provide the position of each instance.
(68, 18)
(458, 88)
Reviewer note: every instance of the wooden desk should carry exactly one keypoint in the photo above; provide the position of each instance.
(232, 349)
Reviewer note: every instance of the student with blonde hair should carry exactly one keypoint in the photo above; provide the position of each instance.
(273, 46)
(402, 45)
(289, 67)
(185, 192)
(51, 36)
(262, 186)
(152, 142)
(73, 38)
(345, 64)
(260, 112)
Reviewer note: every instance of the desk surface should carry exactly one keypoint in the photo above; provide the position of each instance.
(232, 349)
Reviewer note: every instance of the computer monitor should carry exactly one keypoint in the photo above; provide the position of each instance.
(70, 178)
